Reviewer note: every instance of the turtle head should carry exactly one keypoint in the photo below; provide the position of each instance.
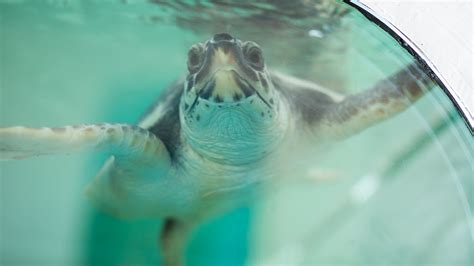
(229, 108)
(225, 70)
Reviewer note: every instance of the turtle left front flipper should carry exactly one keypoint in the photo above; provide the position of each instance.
(385, 99)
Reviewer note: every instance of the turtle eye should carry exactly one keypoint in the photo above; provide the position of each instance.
(254, 56)
(195, 58)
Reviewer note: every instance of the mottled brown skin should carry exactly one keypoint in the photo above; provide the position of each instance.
(385, 99)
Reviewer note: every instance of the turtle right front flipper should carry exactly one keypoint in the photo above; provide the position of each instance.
(119, 139)
(130, 182)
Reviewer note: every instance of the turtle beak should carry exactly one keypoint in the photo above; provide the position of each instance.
(224, 76)
(222, 58)
(223, 52)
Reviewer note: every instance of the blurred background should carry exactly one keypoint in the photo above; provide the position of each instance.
(399, 193)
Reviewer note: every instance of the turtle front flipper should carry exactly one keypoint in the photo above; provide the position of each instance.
(385, 99)
(128, 185)
(121, 140)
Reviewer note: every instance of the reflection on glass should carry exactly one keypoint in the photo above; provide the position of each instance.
(395, 193)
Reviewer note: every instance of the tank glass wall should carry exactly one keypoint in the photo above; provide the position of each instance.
(399, 193)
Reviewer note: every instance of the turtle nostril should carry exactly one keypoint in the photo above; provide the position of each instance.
(222, 37)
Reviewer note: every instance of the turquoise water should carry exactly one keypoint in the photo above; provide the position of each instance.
(399, 193)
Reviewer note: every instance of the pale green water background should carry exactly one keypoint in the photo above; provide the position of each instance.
(72, 62)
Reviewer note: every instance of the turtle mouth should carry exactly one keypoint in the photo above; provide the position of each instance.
(246, 86)
(212, 89)
(228, 82)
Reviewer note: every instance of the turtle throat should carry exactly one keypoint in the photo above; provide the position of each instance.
(235, 133)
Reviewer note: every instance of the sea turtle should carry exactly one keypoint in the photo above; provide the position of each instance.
(209, 142)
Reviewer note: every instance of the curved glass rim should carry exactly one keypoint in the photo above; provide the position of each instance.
(417, 54)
